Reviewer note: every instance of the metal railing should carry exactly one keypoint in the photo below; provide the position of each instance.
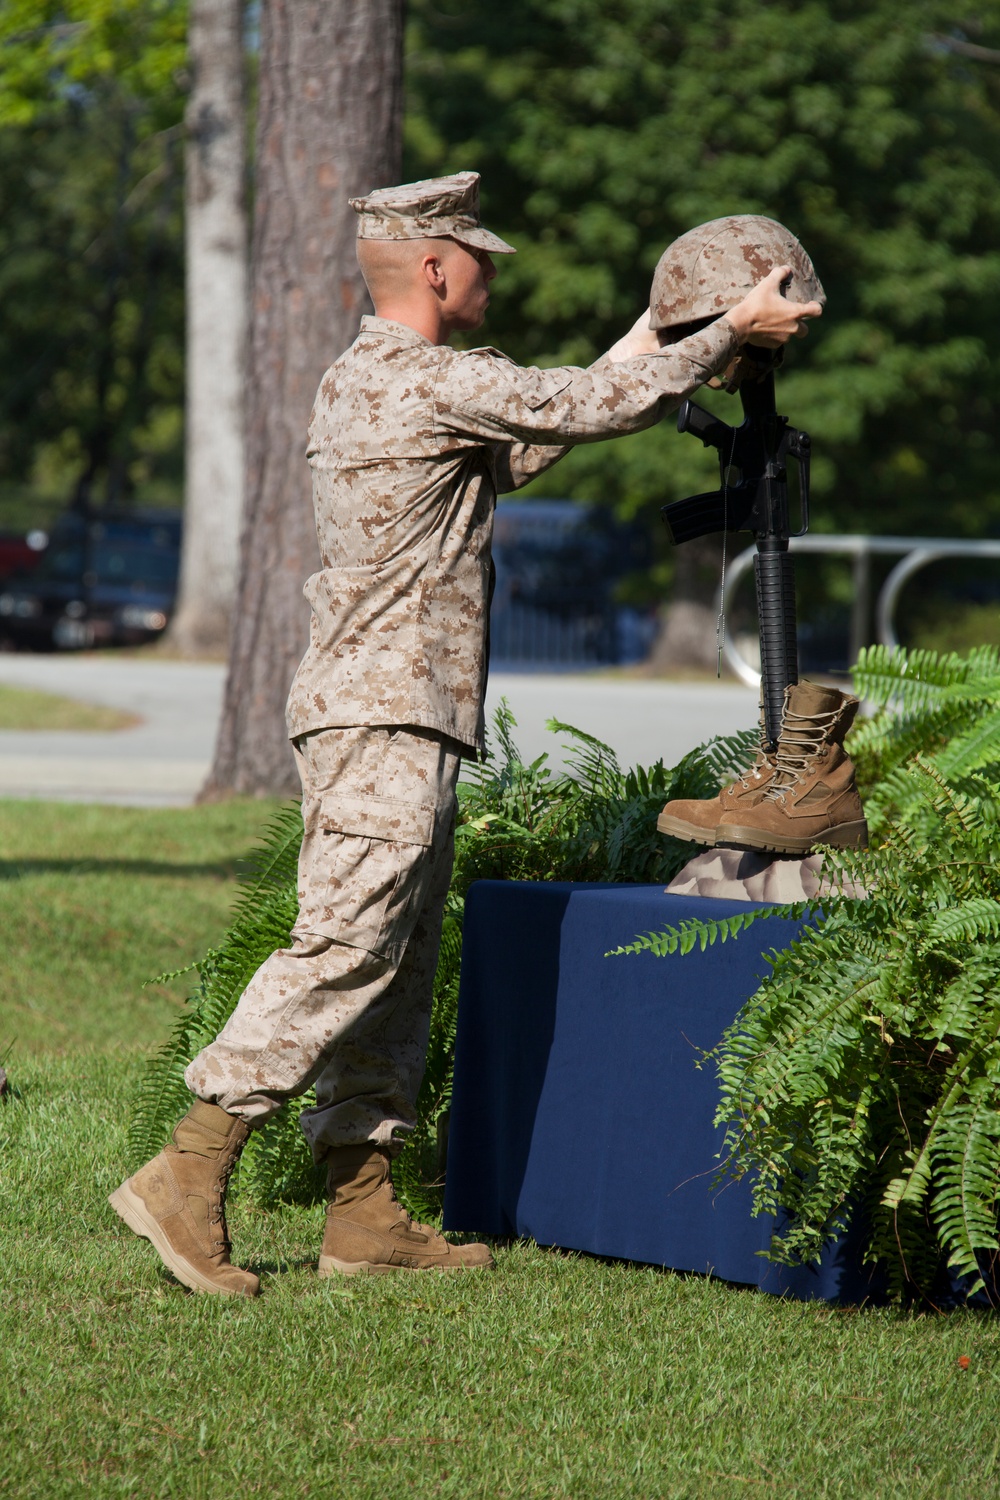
(917, 552)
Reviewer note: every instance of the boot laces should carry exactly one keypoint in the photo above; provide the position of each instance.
(216, 1212)
(756, 771)
(802, 738)
(764, 758)
(393, 1199)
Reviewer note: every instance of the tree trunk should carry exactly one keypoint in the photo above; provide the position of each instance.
(216, 293)
(329, 128)
(687, 636)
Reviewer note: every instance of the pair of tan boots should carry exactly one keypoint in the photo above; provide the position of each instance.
(800, 794)
(177, 1201)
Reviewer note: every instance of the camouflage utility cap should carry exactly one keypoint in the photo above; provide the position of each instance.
(438, 208)
(713, 267)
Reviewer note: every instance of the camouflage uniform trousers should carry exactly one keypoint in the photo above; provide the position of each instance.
(347, 1006)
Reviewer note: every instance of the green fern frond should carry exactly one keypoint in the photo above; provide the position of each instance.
(956, 1011)
(910, 680)
(978, 917)
(591, 763)
(697, 934)
(977, 746)
(504, 724)
(967, 1162)
(726, 757)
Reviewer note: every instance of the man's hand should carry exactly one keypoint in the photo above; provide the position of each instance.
(767, 318)
(764, 317)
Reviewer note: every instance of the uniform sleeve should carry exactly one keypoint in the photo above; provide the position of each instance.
(482, 395)
(517, 463)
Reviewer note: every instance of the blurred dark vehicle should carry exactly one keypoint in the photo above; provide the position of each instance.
(558, 566)
(103, 580)
(21, 554)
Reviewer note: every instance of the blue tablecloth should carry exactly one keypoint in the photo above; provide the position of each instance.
(580, 1117)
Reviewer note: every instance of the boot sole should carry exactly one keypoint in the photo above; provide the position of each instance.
(130, 1207)
(689, 832)
(843, 836)
(329, 1265)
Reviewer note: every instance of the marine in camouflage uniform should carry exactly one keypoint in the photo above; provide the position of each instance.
(409, 442)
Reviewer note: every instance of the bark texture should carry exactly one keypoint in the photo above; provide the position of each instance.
(687, 636)
(329, 128)
(216, 298)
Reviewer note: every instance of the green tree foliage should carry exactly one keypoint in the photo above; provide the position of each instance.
(517, 821)
(91, 285)
(604, 128)
(864, 1075)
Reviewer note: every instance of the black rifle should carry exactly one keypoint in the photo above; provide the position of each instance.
(753, 497)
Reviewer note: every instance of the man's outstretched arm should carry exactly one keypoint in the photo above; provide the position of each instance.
(608, 399)
(764, 317)
(481, 395)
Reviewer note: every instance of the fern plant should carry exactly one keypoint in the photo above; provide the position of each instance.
(517, 820)
(945, 707)
(864, 1075)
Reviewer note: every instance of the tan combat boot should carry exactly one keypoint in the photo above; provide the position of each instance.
(812, 797)
(697, 821)
(368, 1230)
(177, 1201)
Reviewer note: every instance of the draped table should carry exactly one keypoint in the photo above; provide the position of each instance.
(580, 1117)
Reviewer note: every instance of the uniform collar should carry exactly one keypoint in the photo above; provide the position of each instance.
(388, 329)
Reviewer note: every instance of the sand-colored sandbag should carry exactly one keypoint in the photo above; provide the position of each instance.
(747, 875)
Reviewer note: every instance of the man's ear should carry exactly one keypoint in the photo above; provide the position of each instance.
(433, 272)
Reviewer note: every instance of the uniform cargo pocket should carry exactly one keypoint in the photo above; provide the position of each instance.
(362, 890)
(377, 818)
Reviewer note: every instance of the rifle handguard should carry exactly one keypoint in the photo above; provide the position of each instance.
(753, 496)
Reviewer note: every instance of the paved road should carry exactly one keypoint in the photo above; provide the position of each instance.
(641, 721)
(160, 762)
(163, 761)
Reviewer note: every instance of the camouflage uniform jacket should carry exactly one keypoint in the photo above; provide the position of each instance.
(409, 444)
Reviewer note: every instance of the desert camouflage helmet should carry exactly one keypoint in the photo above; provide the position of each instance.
(711, 268)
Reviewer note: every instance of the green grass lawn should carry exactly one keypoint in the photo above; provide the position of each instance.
(96, 901)
(556, 1375)
(26, 708)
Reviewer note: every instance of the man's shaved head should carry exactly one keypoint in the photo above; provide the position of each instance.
(391, 268)
(437, 285)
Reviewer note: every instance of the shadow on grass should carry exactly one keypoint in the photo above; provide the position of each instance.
(282, 1267)
(21, 869)
(913, 1304)
(258, 1267)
